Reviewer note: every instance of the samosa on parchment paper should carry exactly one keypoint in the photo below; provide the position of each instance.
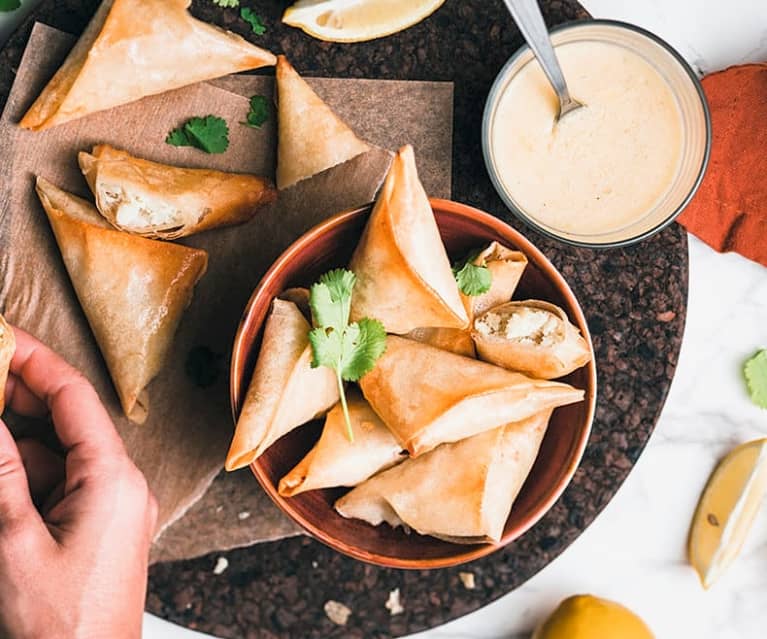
(182, 446)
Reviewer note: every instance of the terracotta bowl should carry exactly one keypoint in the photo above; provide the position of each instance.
(330, 245)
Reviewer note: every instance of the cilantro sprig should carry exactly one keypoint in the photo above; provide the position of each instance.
(6, 6)
(259, 112)
(226, 4)
(755, 371)
(473, 279)
(349, 349)
(254, 20)
(209, 134)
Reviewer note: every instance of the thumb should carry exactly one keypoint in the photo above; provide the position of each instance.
(16, 505)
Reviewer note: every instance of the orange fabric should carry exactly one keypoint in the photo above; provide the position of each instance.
(729, 211)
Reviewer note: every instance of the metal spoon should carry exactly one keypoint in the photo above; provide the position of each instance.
(529, 19)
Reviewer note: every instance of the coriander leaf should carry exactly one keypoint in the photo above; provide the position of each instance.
(331, 299)
(755, 371)
(326, 347)
(350, 350)
(364, 343)
(177, 137)
(9, 5)
(226, 4)
(211, 134)
(473, 279)
(259, 112)
(254, 20)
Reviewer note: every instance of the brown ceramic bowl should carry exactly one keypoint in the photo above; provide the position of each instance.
(330, 245)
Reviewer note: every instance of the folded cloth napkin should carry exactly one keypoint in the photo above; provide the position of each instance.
(729, 211)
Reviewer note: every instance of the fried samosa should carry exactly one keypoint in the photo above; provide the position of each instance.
(533, 337)
(404, 277)
(312, 138)
(135, 48)
(7, 349)
(285, 391)
(461, 492)
(454, 340)
(335, 461)
(132, 290)
(167, 202)
(427, 396)
(506, 268)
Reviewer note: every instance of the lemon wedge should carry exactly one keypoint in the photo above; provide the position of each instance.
(727, 509)
(357, 20)
(589, 617)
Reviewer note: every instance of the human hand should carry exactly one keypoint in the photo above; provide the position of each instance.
(77, 567)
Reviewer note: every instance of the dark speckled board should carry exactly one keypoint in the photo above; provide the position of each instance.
(634, 300)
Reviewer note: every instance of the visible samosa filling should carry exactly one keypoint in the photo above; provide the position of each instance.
(139, 211)
(524, 325)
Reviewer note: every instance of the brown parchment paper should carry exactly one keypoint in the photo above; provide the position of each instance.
(182, 446)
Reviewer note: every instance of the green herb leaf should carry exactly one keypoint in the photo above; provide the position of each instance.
(177, 137)
(226, 4)
(254, 20)
(209, 134)
(364, 343)
(7, 6)
(755, 370)
(472, 279)
(351, 350)
(259, 112)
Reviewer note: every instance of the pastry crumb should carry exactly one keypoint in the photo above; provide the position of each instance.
(243, 515)
(393, 603)
(222, 563)
(467, 579)
(337, 612)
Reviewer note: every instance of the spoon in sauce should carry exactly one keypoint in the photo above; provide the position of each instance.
(529, 19)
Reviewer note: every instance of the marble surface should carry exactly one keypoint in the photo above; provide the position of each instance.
(634, 551)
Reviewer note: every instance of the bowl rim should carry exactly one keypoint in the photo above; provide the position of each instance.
(494, 95)
(472, 552)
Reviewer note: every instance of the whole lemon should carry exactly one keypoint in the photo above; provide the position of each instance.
(589, 617)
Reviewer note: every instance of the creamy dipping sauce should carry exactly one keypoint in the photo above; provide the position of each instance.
(603, 167)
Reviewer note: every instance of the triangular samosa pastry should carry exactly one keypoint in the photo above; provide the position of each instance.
(285, 391)
(7, 349)
(132, 290)
(135, 48)
(461, 492)
(311, 137)
(403, 273)
(506, 268)
(531, 336)
(335, 461)
(167, 202)
(427, 396)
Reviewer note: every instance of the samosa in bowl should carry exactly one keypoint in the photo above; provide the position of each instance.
(460, 492)
(285, 391)
(428, 396)
(404, 278)
(335, 460)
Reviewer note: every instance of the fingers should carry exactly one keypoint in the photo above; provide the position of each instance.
(23, 401)
(44, 468)
(80, 419)
(16, 505)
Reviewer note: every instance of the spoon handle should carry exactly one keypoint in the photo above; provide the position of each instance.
(529, 19)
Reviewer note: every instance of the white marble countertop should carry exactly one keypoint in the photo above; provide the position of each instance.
(635, 550)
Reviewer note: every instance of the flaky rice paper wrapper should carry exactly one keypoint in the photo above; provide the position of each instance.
(182, 446)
